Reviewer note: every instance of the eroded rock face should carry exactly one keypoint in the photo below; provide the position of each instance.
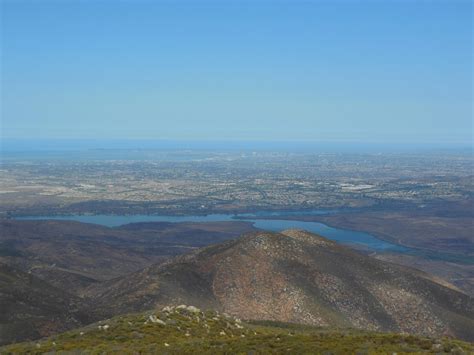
(296, 276)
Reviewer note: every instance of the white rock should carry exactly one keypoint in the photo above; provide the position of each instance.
(154, 319)
(193, 309)
(166, 344)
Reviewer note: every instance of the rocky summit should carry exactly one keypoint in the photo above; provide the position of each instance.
(296, 277)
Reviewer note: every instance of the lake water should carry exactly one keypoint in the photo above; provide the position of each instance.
(356, 239)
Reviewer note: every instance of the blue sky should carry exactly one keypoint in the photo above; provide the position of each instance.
(364, 71)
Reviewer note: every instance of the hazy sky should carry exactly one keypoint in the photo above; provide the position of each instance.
(371, 71)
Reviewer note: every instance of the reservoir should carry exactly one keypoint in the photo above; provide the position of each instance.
(355, 239)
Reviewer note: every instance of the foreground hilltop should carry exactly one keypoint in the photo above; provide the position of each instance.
(297, 277)
(187, 329)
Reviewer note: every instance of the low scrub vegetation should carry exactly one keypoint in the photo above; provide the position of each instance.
(186, 329)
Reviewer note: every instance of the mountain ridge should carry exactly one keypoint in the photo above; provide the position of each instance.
(298, 277)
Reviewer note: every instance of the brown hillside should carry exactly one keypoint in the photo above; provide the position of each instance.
(299, 277)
